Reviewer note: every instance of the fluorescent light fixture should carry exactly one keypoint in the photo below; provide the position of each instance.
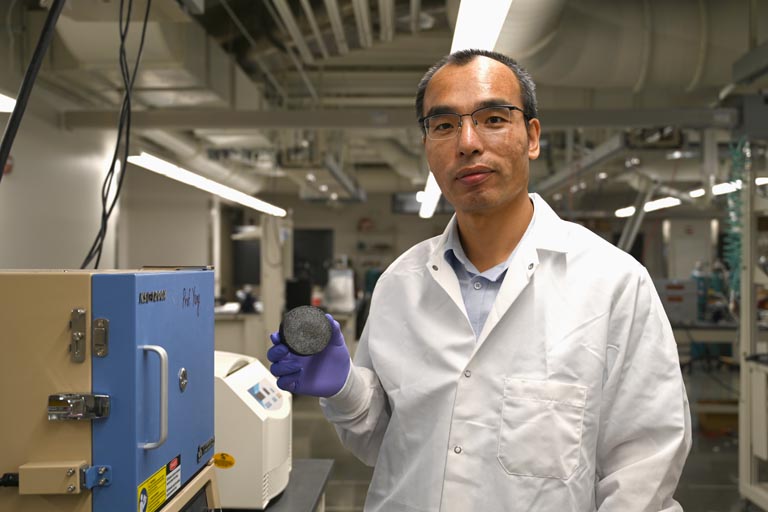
(674, 155)
(429, 198)
(650, 206)
(169, 170)
(726, 188)
(658, 204)
(668, 202)
(479, 28)
(7, 103)
(475, 28)
(625, 212)
(677, 154)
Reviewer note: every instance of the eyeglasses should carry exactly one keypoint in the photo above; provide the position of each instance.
(494, 119)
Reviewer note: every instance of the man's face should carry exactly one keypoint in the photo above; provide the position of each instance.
(480, 173)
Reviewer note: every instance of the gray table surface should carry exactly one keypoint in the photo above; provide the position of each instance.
(305, 486)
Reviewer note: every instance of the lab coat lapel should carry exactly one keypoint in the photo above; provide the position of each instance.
(443, 273)
(550, 234)
(517, 278)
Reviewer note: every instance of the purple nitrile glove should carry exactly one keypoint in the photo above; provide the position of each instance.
(321, 374)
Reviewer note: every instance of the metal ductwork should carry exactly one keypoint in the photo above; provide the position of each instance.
(180, 67)
(404, 163)
(192, 156)
(584, 44)
(356, 193)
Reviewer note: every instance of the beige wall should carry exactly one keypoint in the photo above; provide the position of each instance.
(399, 231)
(162, 222)
(50, 206)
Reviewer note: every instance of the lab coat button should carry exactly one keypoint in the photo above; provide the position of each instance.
(478, 285)
(457, 449)
(467, 373)
(530, 267)
(434, 267)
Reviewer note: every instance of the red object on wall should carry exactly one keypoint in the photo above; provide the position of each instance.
(8, 166)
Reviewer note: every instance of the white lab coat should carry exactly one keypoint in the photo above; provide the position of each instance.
(571, 398)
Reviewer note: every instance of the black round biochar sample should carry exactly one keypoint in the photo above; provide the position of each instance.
(305, 330)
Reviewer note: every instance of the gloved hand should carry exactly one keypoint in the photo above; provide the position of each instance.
(322, 374)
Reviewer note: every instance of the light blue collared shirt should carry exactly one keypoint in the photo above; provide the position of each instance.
(478, 289)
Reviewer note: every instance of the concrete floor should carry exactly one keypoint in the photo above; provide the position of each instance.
(709, 482)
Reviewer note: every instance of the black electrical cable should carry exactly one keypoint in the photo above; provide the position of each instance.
(125, 110)
(29, 81)
(123, 133)
(9, 480)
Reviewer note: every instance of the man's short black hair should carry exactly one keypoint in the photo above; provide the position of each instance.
(463, 57)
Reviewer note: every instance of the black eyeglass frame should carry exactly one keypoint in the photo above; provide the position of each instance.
(423, 120)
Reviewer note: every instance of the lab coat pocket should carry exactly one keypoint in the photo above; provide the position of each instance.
(540, 429)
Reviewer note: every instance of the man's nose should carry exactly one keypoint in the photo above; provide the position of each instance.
(469, 140)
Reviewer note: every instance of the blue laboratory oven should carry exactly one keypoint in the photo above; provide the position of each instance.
(113, 379)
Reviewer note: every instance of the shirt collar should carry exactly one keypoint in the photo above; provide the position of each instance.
(454, 252)
(549, 232)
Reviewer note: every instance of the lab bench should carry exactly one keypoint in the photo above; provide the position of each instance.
(306, 487)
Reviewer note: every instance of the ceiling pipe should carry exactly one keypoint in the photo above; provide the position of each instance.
(386, 20)
(347, 182)
(309, 13)
(416, 13)
(334, 16)
(295, 60)
(290, 25)
(252, 43)
(583, 168)
(405, 164)
(631, 228)
(363, 22)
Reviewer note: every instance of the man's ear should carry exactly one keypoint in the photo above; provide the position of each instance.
(534, 134)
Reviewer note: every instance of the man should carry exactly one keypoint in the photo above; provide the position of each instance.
(517, 362)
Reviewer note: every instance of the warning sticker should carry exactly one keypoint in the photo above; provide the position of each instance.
(172, 477)
(155, 490)
(223, 460)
